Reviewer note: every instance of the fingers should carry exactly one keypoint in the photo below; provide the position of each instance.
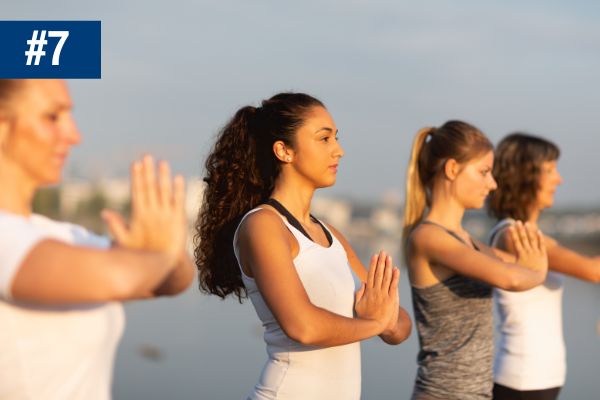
(165, 187)
(149, 187)
(372, 269)
(521, 238)
(393, 289)
(116, 225)
(380, 271)
(388, 275)
(516, 240)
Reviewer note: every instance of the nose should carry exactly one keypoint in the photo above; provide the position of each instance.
(339, 151)
(71, 132)
(559, 178)
(493, 184)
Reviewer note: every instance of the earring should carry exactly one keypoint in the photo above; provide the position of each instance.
(289, 159)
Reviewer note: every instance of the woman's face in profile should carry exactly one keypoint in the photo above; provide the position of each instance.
(549, 181)
(41, 131)
(475, 181)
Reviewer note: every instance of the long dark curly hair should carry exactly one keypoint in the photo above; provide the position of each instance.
(517, 169)
(241, 171)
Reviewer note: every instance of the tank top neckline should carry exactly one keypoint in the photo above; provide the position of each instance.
(453, 234)
(296, 224)
(451, 277)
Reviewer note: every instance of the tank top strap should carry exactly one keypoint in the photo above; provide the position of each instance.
(452, 233)
(291, 220)
(499, 227)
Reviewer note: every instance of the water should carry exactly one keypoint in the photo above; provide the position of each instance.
(199, 347)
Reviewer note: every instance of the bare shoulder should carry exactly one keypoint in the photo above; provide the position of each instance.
(425, 237)
(264, 221)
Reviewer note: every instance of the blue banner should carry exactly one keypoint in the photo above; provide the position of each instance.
(50, 49)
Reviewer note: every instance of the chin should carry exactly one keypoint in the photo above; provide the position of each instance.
(51, 179)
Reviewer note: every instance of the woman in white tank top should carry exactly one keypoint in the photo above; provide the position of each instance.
(255, 236)
(61, 285)
(530, 360)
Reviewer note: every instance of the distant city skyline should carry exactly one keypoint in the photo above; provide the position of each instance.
(173, 74)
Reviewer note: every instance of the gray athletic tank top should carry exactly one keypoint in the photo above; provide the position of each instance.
(455, 326)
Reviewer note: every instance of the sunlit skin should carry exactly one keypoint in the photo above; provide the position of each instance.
(36, 139)
(37, 132)
(313, 164)
(465, 186)
(550, 179)
(560, 258)
(267, 249)
(434, 256)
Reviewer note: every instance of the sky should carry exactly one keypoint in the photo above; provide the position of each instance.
(174, 72)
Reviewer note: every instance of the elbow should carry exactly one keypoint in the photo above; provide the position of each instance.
(402, 331)
(120, 288)
(301, 333)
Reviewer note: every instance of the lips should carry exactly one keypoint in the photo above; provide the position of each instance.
(333, 167)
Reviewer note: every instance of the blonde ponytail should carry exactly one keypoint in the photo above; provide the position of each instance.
(416, 196)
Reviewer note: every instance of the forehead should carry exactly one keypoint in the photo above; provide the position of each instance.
(317, 118)
(484, 160)
(43, 93)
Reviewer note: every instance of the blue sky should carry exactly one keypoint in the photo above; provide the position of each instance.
(174, 72)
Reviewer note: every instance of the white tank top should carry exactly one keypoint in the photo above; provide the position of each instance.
(530, 354)
(296, 371)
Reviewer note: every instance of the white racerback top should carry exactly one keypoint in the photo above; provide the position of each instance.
(530, 354)
(296, 371)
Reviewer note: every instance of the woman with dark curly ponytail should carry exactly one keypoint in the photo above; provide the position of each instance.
(530, 362)
(255, 236)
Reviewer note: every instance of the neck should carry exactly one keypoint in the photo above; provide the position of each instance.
(534, 214)
(446, 211)
(295, 197)
(17, 191)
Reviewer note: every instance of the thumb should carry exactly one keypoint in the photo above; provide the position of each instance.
(116, 225)
(359, 293)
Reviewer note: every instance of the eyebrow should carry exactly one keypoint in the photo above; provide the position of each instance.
(326, 129)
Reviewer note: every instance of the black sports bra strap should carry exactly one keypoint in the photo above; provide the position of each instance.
(451, 233)
(295, 223)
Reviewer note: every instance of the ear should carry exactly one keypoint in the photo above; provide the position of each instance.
(282, 152)
(451, 169)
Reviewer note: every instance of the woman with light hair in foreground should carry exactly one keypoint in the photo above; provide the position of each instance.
(61, 285)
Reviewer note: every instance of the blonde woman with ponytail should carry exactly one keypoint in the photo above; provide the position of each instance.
(451, 273)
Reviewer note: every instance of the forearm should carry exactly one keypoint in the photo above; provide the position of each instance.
(401, 330)
(179, 279)
(522, 278)
(58, 273)
(325, 329)
(136, 274)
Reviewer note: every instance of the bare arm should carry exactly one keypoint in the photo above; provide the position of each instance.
(265, 248)
(400, 324)
(438, 247)
(58, 273)
(569, 262)
(54, 272)
(158, 221)
(179, 279)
